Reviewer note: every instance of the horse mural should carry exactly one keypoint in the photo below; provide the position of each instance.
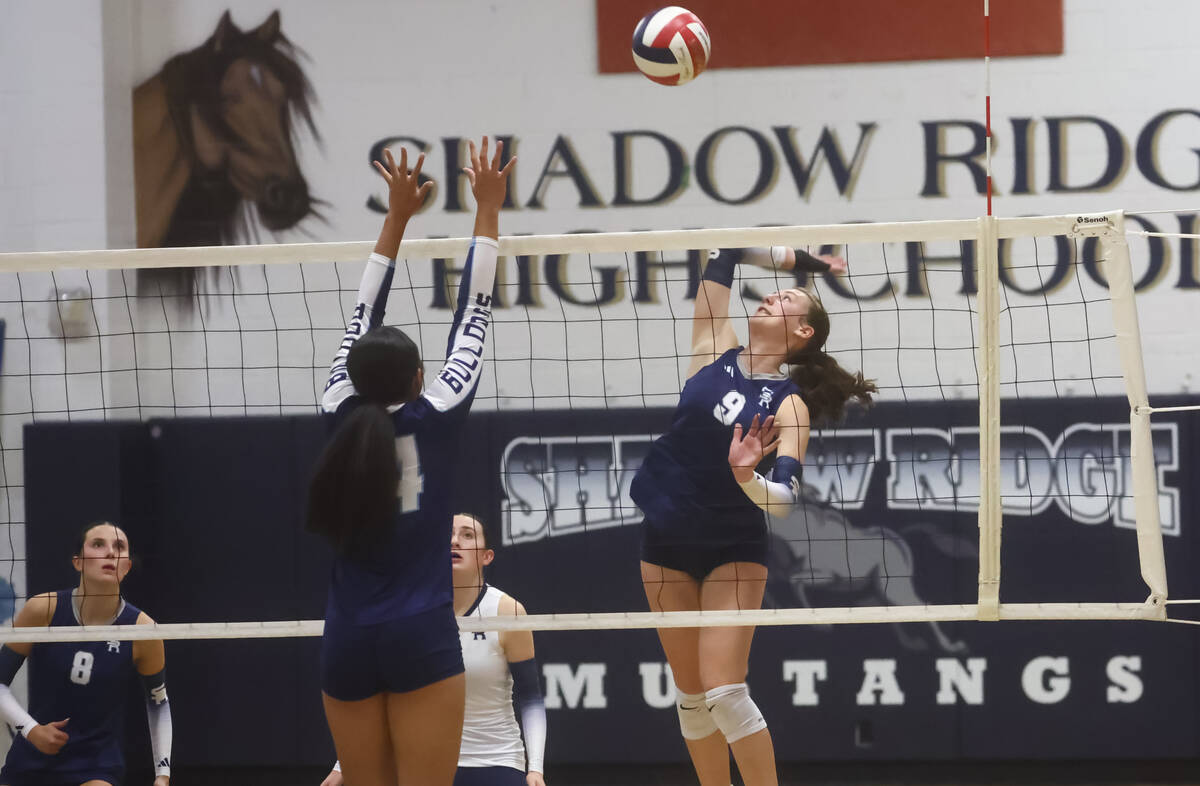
(818, 549)
(214, 135)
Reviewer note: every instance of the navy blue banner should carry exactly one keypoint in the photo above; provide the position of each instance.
(213, 509)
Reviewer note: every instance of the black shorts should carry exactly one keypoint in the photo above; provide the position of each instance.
(488, 776)
(115, 777)
(700, 557)
(361, 661)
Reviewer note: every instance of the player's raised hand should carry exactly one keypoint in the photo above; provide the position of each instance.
(489, 181)
(405, 192)
(745, 452)
(49, 737)
(836, 264)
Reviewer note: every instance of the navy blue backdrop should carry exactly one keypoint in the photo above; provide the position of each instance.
(213, 509)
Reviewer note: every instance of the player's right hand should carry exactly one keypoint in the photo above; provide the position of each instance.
(334, 778)
(49, 737)
(489, 181)
(836, 264)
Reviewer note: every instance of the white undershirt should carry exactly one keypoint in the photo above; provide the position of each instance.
(491, 736)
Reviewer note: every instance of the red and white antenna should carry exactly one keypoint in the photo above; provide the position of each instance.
(987, 92)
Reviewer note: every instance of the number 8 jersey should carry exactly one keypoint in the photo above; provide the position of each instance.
(86, 681)
(685, 484)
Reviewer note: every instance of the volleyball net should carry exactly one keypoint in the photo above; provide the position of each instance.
(984, 329)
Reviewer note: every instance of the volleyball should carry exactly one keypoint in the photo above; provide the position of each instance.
(671, 46)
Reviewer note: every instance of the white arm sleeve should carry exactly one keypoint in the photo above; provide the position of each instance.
(533, 726)
(456, 382)
(775, 498)
(12, 711)
(161, 732)
(770, 258)
(337, 766)
(158, 717)
(368, 313)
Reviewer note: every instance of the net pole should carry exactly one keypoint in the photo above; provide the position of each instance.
(989, 420)
(1114, 257)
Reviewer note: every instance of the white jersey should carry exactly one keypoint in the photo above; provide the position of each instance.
(491, 736)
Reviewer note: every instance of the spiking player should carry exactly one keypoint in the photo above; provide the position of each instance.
(705, 537)
(500, 667)
(391, 663)
(78, 689)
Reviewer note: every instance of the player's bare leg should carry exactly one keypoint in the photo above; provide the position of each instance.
(360, 735)
(725, 656)
(674, 590)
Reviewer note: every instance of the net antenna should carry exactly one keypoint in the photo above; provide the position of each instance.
(302, 275)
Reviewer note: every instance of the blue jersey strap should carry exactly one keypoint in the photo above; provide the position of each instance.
(527, 695)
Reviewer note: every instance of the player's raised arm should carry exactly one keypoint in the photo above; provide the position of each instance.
(712, 332)
(405, 197)
(455, 384)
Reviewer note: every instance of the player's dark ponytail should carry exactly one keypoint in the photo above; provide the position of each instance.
(827, 387)
(352, 494)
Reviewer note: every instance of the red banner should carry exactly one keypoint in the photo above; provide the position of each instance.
(759, 33)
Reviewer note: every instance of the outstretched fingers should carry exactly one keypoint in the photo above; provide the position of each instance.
(416, 171)
(390, 167)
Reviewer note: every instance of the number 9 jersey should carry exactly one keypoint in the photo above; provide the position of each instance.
(685, 486)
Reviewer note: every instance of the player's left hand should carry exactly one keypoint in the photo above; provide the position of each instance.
(746, 452)
(162, 780)
(533, 778)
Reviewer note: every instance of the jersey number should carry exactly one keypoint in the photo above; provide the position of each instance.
(412, 482)
(81, 668)
(729, 408)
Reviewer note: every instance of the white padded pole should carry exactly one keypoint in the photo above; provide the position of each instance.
(1114, 257)
(989, 420)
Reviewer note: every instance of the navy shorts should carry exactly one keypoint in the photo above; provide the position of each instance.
(361, 661)
(698, 558)
(115, 777)
(488, 776)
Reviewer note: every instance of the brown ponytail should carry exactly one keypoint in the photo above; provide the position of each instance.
(827, 387)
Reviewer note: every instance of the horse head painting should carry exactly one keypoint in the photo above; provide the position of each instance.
(214, 136)
(817, 550)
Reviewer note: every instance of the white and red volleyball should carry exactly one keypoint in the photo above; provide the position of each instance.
(671, 46)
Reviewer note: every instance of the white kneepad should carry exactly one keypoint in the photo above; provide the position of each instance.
(695, 721)
(734, 712)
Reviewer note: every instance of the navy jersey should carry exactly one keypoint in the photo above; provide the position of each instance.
(407, 570)
(86, 681)
(685, 482)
